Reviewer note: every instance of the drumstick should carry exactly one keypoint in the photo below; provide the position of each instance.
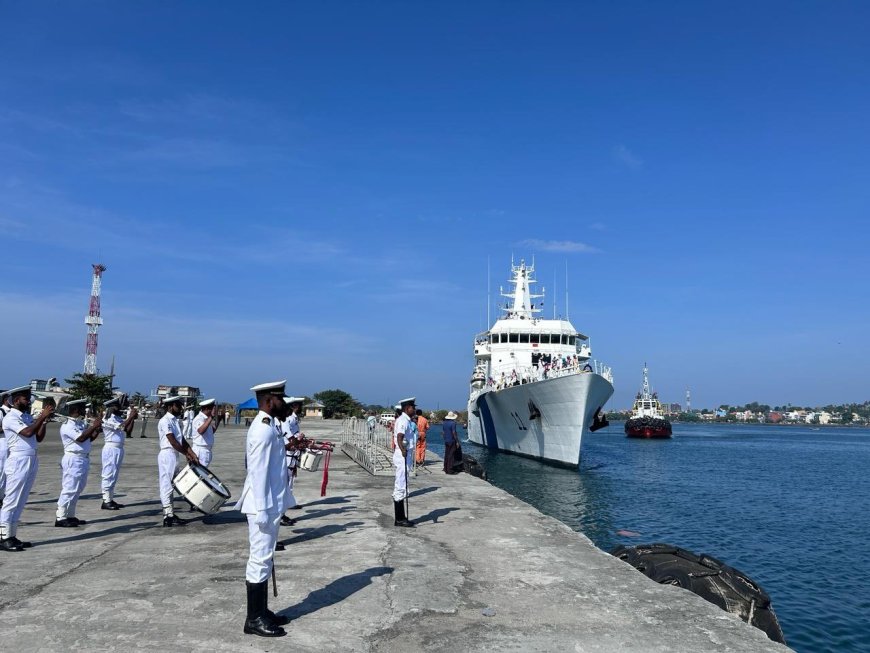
(274, 582)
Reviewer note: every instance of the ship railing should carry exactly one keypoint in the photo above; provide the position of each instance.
(367, 445)
(525, 374)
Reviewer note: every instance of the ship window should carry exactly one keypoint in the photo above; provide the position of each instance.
(545, 338)
(554, 338)
(571, 340)
(524, 337)
(564, 339)
(514, 337)
(535, 338)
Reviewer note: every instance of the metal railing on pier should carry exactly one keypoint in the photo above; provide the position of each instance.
(368, 446)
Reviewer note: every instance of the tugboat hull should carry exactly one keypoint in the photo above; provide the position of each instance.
(638, 428)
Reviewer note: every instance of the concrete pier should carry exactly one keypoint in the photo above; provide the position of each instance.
(482, 571)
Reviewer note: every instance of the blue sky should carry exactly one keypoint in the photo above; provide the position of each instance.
(312, 190)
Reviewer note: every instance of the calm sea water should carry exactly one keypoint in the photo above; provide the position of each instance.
(786, 505)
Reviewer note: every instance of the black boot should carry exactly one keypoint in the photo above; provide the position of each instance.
(257, 622)
(401, 518)
(276, 619)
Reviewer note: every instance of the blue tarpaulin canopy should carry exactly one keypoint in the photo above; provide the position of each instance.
(250, 403)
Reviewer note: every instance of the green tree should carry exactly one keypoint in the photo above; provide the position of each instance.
(96, 388)
(338, 403)
(138, 399)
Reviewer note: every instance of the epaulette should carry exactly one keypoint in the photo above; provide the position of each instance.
(267, 420)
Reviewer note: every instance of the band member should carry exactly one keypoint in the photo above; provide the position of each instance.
(23, 433)
(294, 443)
(202, 432)
(5, 407)
(171, 444)
(114, 433)
(404, 431)
(264, 498)
(76, 438)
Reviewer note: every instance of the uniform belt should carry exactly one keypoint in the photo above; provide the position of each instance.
(22, 453)
(80, 454)
(169, 448)
(118, 445)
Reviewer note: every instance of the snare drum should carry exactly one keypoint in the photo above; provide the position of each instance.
(201, 489)
(311, 460)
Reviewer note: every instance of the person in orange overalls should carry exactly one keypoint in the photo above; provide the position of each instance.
(422, 427)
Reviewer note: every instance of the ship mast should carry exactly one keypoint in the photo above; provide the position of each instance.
(645, 390)
(522, 295)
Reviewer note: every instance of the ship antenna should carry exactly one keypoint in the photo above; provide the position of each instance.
(488, 296)
(554, 294)
(567, 316)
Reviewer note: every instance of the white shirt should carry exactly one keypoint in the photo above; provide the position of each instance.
(15, 422)
(187, 425)
(70, 431)
(266, 485)
(113, 430)
(4, 410)
(290, 428)
(205, 439)
(168, 424)
(403, 426)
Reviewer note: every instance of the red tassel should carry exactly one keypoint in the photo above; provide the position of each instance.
(325, 473)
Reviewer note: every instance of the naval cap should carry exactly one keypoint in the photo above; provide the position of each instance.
(171, 400)
(206, 403)
(412, 401)
(19, 390)
(76, 403)
(115, 401)
(271, 388)
(294, 400)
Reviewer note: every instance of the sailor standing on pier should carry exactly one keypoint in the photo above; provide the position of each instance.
(202, 433)
(22, 433)
(171, 444)
(76, 437)
(5, 407)
(263, 500)
(404, 431)
(293, 443)
(114, 434)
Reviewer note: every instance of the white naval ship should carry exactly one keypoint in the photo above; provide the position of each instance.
(535, 389)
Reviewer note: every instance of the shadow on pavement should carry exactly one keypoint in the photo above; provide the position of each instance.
(336, 592)
(434, 515)
(422, 491)
(307, 534)
(82, 536)
(314, 514)
(345, 499)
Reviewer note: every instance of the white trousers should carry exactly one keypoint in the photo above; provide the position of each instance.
(112, 458)
(291, 498)
(4, 450)
(20, 475)
(262, 540)
(400, 487)
(204, 455)
(74, 477)
(167, 460)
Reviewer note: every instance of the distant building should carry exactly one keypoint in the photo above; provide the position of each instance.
(187, 391)
(314, 410)
(774, 417)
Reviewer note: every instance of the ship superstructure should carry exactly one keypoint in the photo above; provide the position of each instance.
(535, 388)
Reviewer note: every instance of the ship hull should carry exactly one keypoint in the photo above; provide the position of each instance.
(644, 429)
(545, 420)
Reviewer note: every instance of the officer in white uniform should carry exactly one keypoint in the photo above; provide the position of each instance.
(264, 498)
(22, 435)
(186, 422)
(294, 444)
(5, 407)
(202, 433)
(76, 437)
(171, 444)
(114, 433)
(404, 444)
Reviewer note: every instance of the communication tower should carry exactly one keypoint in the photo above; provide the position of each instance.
(93, 320)
(688, 401)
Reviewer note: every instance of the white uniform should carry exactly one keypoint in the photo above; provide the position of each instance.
(265, 494)
(186, 424)
(113, 454)
(74, 466)
(404, 426)
(290, 428)
(202, 443)
(4, 409)
(167, 459)
(21, 467)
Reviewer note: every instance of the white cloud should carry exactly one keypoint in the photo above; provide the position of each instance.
(621, 154)
(563, 246)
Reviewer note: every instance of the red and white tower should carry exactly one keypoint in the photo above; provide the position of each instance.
(93, 320)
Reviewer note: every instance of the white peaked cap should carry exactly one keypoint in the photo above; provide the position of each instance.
(294, 400)
(409, 400)
(273, 387)
(171, 400)
(15, 391)
(76, 402)
(206, 403)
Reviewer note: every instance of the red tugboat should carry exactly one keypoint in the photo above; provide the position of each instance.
(647, 420)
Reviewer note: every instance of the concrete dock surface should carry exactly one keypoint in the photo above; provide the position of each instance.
(482, 571)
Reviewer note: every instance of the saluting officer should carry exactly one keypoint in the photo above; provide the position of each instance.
(22, 435)
(76, 438)
(264, 498)
(202, 433)
(171, 444)
(114, 434)
(404, 431)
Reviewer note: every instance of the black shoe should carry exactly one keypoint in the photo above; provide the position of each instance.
(178, 521)
(286, 521)
(258, 621)
(277, 619)
(23, 545)
(77, 521)
(9, 544)
(65, 523)
(167, 521)
(116, 505)
(279, 546)
(109, 505)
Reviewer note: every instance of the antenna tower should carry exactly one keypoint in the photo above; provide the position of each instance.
(93, 320)
(688, 401)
